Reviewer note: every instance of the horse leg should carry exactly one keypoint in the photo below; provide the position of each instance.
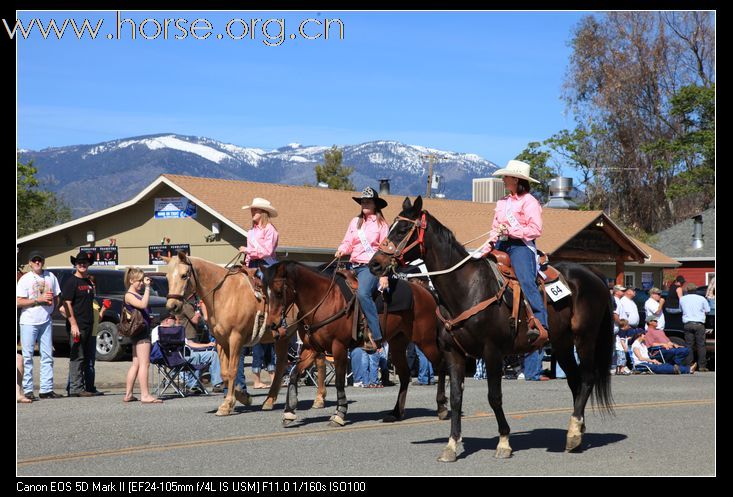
(457, 372)
(494, 365)
(339, 358)
(281, 362)
(307, 356)
(398, 346)
(320, 401)
(440, 397)
(581, 380)
(229, 373)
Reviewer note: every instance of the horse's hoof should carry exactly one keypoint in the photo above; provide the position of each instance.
(267, 406)
(336, 422)
(390, 418)
(573, 443)
(318, 404)
(443, 414)
(243, 398)
(448, 455)
(288, 422)
(222, 411)
(503, 453)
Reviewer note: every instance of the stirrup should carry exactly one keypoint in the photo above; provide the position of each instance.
(369, 346)
(532, 335)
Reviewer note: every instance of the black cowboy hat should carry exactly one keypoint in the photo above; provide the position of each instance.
(81, 257)
(369, 194)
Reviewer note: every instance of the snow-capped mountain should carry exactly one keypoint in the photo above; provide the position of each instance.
(92, 177)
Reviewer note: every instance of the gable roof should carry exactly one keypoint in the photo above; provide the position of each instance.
(677, 240)
(315, 219)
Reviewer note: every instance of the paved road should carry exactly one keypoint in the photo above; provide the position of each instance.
(663, 425)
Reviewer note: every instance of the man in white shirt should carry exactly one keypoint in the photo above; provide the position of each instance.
(36, 295)
(627, 308)
(654, 307)
(694, 309)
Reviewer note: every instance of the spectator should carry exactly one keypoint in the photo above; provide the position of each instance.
(78, 299)
(627, 308)
(425, 369)
(90, 352)
(694, 309)
(480, 373)
(359, 367)
(676, 291)
(654, 306)
(622, 348)
(36, 294)
(640, 356)
(659, 341)
(138, 297)
(378, 362)
(20, 396)
(263, 355)
(533, 366)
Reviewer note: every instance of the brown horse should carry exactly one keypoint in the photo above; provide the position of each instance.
(232, 307)
(327, 327)
(582, 319)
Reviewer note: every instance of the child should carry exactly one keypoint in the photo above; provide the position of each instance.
(622, 347)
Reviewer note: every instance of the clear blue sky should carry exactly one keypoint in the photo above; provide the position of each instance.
(479, 82)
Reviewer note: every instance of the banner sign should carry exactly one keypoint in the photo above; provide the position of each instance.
(174, 208)
(157, 252)
(102, 256)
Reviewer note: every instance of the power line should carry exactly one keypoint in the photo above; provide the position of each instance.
(431, 158)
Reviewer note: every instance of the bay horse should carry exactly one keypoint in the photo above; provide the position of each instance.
(326, 327)
(232, 308)
(582, 319)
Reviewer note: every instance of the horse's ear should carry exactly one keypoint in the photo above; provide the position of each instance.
(182, 256)
(417, 206)
(406, 205)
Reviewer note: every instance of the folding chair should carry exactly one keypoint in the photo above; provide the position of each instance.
(172, 366)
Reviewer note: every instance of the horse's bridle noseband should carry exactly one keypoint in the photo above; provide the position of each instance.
(181, 297)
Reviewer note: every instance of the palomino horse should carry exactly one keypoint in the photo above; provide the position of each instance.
(327, 327)
(584, 319)
(232, 307)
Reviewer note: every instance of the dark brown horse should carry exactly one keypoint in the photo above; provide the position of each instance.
(319, 300)
(582, 319)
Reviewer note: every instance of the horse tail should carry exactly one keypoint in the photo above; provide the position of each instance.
(603, 356)
(604, 351)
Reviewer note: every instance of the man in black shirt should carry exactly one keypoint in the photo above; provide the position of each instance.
(78, 297)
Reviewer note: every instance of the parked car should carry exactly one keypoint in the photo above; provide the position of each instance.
(673, 326)
(111, 286)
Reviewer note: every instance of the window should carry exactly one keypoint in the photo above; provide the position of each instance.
(630, 280)
(708, 277)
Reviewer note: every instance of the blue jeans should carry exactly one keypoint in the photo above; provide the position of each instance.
(367, 284)
(525, 267)
(480, 373)
(360, 366)
(425, 368)
(661, 368)
(29, 334)
(259, 352)
(673, 356)
(90, 357)
(377, 361)
(533, 365)
(240, 380)
(202, 357)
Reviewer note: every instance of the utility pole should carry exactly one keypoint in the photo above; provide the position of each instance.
(431, 158)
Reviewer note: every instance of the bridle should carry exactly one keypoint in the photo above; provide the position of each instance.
(192, 297)
(397, 253)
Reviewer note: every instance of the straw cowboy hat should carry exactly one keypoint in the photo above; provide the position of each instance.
(516, 169)
(264, 204)
(369, 194)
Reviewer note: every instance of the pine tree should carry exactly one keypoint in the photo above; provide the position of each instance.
(332, 172)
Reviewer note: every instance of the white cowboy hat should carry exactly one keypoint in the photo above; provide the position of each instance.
(516, 169)
(264, 204)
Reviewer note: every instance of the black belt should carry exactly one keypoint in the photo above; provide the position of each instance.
(695, 322)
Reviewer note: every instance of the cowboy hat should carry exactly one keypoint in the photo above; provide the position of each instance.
(368, 193)
(264, 204)
(81, 257)
(516, 169)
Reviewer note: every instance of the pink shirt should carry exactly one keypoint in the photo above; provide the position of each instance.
(655, 337)
(374, 232)
(528, 213)
(261, 243)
